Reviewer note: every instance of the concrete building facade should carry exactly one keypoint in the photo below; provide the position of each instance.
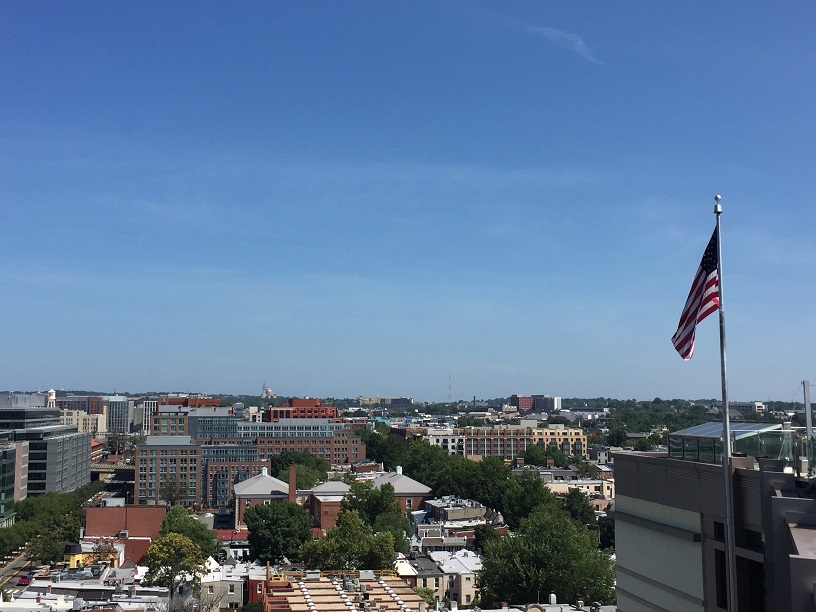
(59, 458)
(670, 535)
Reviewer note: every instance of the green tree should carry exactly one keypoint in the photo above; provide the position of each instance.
(276, 531)
(388, 449)
(178, 520)
(616, 436)
(397, 525)
(523, 495)
(534, 455)
(490, 480)
(427, 594)
(171, 556)
(371, 501)
(483, 534)
(172, 491)
(445, 474)
(279, 465)
(305, 477)
(579, 508)
(51, 534)
(606, 532)
(350, 545)
(549, 554)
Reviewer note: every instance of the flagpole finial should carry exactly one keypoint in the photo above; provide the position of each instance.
(717, 205)
(717, 198)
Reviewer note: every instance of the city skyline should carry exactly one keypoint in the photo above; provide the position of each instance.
(402, 198)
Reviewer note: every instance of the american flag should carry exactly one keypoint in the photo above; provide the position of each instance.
(703, 299)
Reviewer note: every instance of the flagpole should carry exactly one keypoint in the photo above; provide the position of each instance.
(730, 554)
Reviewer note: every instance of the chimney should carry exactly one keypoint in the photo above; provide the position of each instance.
(504, 606)
(38, 599)
(399, 470)
(48, 588)
(292, 483)
(422, 606)
(132, 590)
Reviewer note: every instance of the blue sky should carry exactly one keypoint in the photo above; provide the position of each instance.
(370, 198)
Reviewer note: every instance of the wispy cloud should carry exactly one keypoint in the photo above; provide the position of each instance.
(567, 40)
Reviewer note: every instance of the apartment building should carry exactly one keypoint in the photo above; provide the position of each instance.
(321, 436)
(507, 441)
(168, 468)
(169, 421)
(225, 465)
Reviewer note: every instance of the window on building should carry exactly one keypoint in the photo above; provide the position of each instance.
(232, 589)
(209, 590)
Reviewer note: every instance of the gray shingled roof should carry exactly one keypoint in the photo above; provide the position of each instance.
(331, 486)
(403, 485)
(261, 485)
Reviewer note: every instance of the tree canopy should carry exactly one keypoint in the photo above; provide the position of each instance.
(178, 520)
(371, 501)
(311, 468)
(398, 526)
(579, 508)
(276, 531)
(350, 545)
(171, 556)
(47, 522)
(549, 554)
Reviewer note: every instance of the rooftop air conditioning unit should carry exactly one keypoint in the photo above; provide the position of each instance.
(124, 534)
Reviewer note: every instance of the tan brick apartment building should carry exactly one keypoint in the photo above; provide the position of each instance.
(507, 441)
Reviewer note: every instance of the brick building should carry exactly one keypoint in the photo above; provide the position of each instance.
(524, 403)
(168, 467)
(323, 503)
(410, 494)
(188, 401)
(221, 476)
(263, 489)
(301, 409)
